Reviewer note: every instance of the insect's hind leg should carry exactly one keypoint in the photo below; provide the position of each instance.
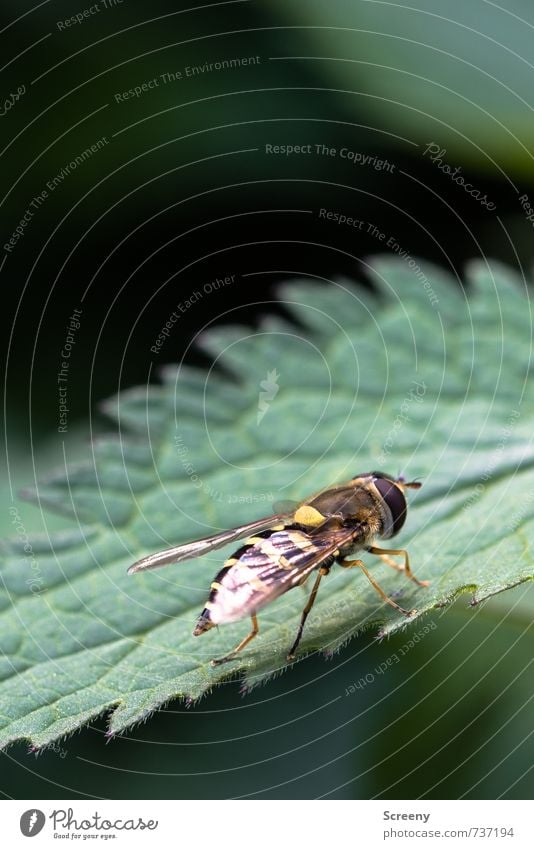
(324, 570)
(384, 553)
(351, 564)
(244, 642)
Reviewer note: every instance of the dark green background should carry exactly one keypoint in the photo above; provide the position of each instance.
(169, 204)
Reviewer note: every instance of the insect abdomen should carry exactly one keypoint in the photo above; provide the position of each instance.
(258, 572)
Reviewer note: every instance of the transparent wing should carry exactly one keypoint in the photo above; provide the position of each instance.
(302, 560)
(179, 553)
(269, 567)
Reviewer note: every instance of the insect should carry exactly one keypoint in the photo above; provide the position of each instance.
(286, 548)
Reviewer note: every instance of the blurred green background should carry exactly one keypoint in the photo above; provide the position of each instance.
(182, 191)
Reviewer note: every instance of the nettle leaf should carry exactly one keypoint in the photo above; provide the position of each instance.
(419, 377)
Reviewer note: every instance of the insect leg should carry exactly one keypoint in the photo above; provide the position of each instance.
(322, 571)
(384, 552)
(348, 564)
(242, 644)
(303, 582)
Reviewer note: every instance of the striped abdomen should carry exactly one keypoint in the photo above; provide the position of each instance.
(268, 565)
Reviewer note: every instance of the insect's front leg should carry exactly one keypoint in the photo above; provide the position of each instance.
(384, 553)
(352, 564)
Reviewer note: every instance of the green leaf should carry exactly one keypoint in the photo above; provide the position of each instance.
(418, 376)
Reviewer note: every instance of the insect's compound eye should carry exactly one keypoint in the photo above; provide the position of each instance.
(395, 501)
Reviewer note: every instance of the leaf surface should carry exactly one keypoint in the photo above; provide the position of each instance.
(419, 377)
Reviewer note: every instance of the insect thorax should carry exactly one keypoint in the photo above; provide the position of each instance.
(354, 505)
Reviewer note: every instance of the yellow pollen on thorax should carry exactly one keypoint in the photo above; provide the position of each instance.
(308, 516)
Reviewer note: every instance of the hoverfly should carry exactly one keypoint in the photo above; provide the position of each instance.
(286, 548)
